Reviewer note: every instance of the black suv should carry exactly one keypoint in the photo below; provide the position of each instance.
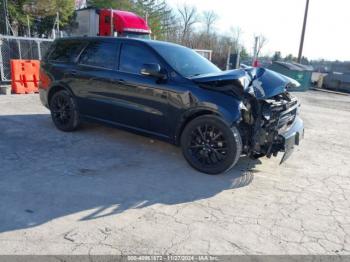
(172, 93)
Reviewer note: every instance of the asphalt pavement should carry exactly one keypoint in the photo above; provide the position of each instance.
(105, 191)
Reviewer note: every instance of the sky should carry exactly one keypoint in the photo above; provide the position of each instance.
(280, 21)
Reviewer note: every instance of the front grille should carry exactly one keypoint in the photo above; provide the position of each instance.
(283, 110)
(286, 120)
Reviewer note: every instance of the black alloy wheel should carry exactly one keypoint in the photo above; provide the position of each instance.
(210, 145)
(64, 112)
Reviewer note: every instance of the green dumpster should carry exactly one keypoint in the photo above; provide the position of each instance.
(299, 72)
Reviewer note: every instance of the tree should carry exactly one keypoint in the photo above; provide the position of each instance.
(277, 56)
(158, 13)
(40, 13)
(235, 35)
(290, 58)
(261, 43)
(304, 61)
(17, 16)
(244, 53)
(207, 36)
(189, 17)
(65, 10)
(119, 4)
(209, 19)
(39, 7)
(171, 27)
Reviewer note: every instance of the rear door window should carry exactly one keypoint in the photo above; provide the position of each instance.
(133, 57)
(100, 54)
(66, 51)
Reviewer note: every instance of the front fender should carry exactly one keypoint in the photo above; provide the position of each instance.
(229, 114)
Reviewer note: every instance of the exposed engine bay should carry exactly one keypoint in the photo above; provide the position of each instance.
(265, 121)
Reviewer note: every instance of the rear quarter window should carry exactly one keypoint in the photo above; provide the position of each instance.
(65, 51)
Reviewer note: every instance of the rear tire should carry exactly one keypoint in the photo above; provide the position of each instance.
(64, 111)
(210, 145)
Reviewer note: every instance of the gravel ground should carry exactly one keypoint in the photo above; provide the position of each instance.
(105, 191)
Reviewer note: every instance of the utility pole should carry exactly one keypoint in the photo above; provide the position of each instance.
(303, 32)
(28, 25)
(239, 49)
(255, 55)
(228, 58)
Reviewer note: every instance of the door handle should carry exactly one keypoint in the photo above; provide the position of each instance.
(73, 72)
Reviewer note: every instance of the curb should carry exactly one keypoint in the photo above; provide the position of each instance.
(5, 89)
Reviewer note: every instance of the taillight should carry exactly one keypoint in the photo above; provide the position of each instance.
(45, 80)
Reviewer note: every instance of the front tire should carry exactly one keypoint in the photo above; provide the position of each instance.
(210, 145)
(64, 111)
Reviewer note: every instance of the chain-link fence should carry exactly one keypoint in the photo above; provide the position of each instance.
(13, 47)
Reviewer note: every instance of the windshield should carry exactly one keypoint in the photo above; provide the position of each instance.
(135, 35)
(186, 61)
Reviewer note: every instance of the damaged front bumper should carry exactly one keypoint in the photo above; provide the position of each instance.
(270, 126)
(292, 138)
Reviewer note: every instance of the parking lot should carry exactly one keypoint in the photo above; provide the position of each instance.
(105, 191)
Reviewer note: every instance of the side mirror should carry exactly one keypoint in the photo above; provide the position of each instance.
(153, 70)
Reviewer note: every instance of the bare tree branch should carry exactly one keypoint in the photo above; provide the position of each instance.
(189, 17)
(236, 34)
(261, 43)
(209, 19)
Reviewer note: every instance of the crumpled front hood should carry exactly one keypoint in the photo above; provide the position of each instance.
(259, 82)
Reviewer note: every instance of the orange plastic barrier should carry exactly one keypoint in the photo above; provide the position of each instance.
(25, 76)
